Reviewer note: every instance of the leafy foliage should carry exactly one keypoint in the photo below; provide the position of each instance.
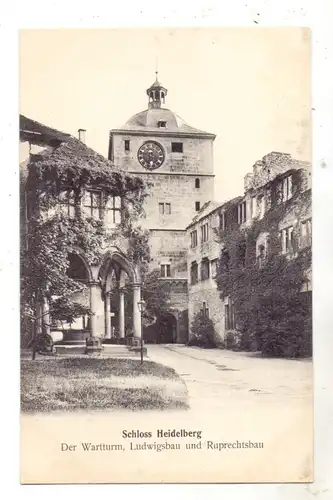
(288, 333)
(202, 332)
(68, 311)
(271, 313)
(156, 295)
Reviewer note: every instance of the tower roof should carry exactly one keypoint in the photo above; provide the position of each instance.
(159, 120)
(156, 84)
(149, 120)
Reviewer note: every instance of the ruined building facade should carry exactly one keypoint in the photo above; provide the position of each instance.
(276, 180)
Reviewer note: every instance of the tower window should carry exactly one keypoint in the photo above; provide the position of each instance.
(157, 95)
(67, 203)
(287, 188)
(197, 183)
(164, 208)
(92, 204)
(242, 212)
(306, 231)
(127, 145)
(288, 240)
(165, 271)
(197, 206)
(204, 269)
(177, 147)
(194, 273)
(112, 211)
(213, 267)
(161, 124)
(194, 238)
(204, 232)
(223, 220)
(205, 310)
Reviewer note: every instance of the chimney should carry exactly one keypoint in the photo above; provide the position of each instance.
(82, 135)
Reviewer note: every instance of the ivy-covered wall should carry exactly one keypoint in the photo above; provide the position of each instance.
(264, 251)
(50, 234)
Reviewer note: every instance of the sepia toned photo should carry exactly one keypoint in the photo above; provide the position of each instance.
(166, 259)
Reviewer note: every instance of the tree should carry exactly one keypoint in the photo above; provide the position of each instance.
(202, 332)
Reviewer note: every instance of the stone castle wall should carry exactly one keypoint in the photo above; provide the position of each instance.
(174, 181)
(197, 156)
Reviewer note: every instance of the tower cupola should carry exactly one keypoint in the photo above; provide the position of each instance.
(156, 94)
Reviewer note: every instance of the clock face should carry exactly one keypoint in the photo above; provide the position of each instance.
(151, 155)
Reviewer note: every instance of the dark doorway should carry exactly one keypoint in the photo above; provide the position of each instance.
(166, 329)
(76, 269)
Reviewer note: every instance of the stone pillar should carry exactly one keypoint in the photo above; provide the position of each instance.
(94, 291)
(46, 316)
(121, 314)
(136, 312)
(107, 315)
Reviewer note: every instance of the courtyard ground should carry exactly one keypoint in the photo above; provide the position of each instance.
(221, 378)
(51, 384)
(244, 396)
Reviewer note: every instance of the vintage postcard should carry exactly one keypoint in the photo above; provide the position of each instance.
(166, 229)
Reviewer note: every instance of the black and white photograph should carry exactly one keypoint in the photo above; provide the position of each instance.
(166, 255)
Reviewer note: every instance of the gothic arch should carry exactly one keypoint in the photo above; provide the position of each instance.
(117, 257)
(78, 252)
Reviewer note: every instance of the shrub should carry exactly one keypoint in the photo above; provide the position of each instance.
(202, 331)
(286, 329)
(233, 340)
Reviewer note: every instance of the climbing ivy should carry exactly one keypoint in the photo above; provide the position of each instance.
(50, 235)
(270, 312)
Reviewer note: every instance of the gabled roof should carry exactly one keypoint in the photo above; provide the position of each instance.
(31, 128)
(213, 206)
(72, 159)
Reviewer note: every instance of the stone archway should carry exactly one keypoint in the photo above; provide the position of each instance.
(166, 329)
(111, 276)
(102, 280)
(76, 332)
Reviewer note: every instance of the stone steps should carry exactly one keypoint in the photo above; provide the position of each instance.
(116, 350)
(69, 349)
(112, 350)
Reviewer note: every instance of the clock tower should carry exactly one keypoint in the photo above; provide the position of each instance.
(177, 161)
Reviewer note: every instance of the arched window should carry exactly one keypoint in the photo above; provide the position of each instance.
(197, 183)
(157, 95)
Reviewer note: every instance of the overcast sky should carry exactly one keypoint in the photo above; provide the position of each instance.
(249, 86)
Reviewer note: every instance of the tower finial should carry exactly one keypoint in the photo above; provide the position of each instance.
(156, 93)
